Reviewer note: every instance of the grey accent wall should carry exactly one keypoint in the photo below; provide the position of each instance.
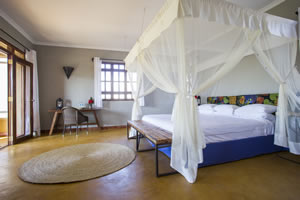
(248, 77)
(158, 102)
(79, 88)
(14, 33)
(287, 9)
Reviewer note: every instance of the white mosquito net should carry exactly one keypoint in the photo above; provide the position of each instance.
(191, 45)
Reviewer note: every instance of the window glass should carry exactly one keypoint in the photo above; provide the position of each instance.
(122, 66)
(122, 87)
(114, 84)
(116, 76)
(108, 76)
(122, 76)
(116, 87)
(116, 96)
(108, 86)
(102, 86)
(116, 66)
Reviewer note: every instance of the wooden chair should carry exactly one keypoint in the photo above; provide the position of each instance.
(73, 116)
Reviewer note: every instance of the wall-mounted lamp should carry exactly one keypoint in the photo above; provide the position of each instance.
(68, 71)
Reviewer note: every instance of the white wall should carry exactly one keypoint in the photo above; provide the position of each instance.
(80, 86)
(118, 112)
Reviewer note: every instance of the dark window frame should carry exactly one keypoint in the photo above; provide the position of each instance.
(12, 49)
(112, 81)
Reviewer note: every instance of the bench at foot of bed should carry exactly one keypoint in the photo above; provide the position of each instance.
(158, 137)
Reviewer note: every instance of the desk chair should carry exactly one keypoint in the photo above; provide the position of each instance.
(73, 116)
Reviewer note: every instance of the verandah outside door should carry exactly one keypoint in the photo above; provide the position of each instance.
(23, 100)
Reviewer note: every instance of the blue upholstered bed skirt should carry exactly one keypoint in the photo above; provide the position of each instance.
(222, 152)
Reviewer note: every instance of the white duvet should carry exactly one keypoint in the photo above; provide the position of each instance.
(220, 128)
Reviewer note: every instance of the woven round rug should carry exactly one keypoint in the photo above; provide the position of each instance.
(76, 163)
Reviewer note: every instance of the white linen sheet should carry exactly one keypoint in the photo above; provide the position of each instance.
(220, 128)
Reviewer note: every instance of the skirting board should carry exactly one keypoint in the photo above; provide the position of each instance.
(113, 127)
(46, 132)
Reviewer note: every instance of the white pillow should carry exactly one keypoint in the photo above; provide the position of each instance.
(206, 107)
(256, 108)
(206, 111)
(258, 116)
(225, 109)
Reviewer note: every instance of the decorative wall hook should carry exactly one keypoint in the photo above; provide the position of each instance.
(68, 71)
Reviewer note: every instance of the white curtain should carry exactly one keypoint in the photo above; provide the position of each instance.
(188, 53)
(97, 82)
(140, 87)
(31, 56)
(283, 70)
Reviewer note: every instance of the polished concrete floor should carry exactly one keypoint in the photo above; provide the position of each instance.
(264, 177)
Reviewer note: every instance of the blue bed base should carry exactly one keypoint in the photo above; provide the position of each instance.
(222, 152)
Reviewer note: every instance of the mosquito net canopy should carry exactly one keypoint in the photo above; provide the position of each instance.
(191, 45)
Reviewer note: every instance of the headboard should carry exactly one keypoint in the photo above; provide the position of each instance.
(242, 100)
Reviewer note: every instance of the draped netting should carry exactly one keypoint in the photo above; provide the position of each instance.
(279, 62)
(191, 45)
(140, 87)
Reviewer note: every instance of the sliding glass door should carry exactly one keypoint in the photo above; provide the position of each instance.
(16, 105)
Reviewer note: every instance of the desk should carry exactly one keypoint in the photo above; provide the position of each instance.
(57, 112)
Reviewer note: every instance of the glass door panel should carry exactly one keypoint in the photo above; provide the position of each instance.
(3, 100)
(28, 101)
(23, 100)
(20, 101)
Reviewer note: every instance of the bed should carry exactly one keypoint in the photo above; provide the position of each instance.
(229, 138)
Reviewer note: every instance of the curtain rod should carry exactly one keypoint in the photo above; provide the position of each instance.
(14, 39)
(103, 59)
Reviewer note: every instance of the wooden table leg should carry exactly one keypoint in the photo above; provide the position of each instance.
(96, 118)
(128, 126)
(53, 122)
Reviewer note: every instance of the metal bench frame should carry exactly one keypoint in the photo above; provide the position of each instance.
(140, 135)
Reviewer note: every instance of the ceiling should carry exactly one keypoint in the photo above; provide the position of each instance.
(95, 24)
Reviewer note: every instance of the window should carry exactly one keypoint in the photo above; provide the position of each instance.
(115, 83)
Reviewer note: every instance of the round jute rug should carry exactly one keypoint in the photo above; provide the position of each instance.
(76, 163)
